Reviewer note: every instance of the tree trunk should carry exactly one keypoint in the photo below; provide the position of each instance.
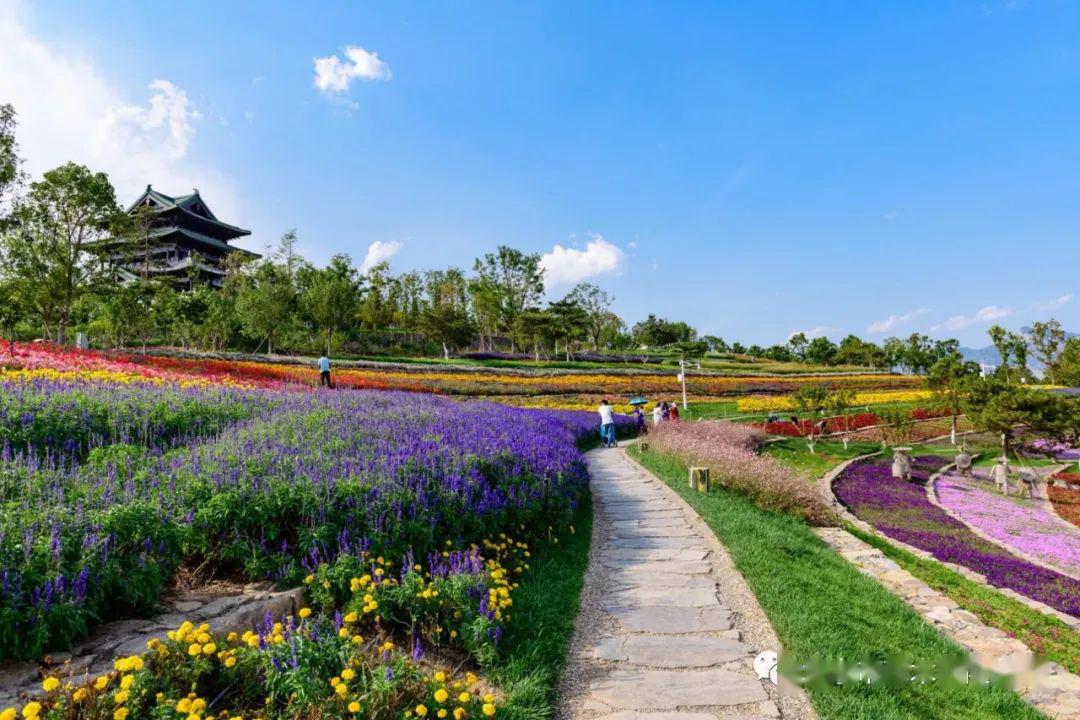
(445, 351)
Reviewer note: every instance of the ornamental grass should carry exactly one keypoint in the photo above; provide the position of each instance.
(729, 450)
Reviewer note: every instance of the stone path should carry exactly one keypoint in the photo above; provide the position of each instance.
(240, 609)
(655, 640)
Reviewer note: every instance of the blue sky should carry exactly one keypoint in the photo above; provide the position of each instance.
(753, 168)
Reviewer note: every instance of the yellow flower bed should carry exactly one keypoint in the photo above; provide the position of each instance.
(99, 376)
(762, 404)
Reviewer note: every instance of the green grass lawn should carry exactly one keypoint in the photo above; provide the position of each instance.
(1045, 635)
(545, 606)
(820, 604)
(794, 453)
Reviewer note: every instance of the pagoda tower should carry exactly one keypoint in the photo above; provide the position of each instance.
(182, 239)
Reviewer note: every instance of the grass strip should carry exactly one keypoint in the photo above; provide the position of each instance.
(821, 605)
(1045, 635)
(545, 607)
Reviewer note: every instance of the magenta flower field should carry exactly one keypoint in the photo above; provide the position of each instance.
(902, 511)
(1026, 525)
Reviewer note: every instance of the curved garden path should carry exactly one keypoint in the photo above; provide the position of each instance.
(667, 629)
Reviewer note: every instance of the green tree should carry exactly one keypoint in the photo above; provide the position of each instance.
(1048, 341)
(264, 303)
(11, 175)
(516, 280)
(596, 304)
(55, 228)
(11, 310)
(716, 344)
(536, 328)
(568, 323)
(376, 311)
(811, 400)
(329, 297)
(949, 379)
(798, 344)
(821, 351)
(1013, 349)
(1067, 367)
(1011, 410)
(449, 325)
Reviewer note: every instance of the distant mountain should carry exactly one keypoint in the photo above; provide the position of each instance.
(989, 355)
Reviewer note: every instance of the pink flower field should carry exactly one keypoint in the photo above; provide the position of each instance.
(1028, 526)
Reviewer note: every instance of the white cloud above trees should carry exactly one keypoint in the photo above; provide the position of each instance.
(68, 109)
(569, 265)
(380, 251)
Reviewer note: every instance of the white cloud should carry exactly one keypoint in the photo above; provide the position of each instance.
(989, 313)
(166, 122)
(380, 251)
(1054, 304)
(68, 110)
(567, 265)
(895, 321)
(334, 75)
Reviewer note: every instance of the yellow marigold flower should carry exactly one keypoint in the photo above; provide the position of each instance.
(378, 572)
(120, 714)
(309, 579)
(231, 637)
(209, 649)
(204, 637)
(440, 676)
(101, 683)
(197, 704)
(8, 714)
(464, 698)
(78, 696)
(31, 709)
(127, 681)
(194, 649)
(470, 678)
(305, 612)
(357, 639)
(343, 633)
(50, 684)
(351, 617)
(347, 674)
(421, 710)
(230, 661)
(442, 713)
(121, 697)
(354, 707)
(183, 705)
(460, 714)
(441, 695)
(488, 709)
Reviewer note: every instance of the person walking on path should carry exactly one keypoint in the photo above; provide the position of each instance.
(673, 411)
(324, 372)
(639, 421)
(607, 424)
(657, 414)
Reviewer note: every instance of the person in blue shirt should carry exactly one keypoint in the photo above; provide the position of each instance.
(324, 372)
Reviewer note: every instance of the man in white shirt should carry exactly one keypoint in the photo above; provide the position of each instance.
(607, 424)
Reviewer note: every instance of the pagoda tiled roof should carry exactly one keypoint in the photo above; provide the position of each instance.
(183, 205)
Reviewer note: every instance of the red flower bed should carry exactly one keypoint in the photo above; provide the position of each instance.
(836, 424)
(929, 413)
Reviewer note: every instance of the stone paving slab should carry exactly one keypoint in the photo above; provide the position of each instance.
(665, 644)
(669, 690)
